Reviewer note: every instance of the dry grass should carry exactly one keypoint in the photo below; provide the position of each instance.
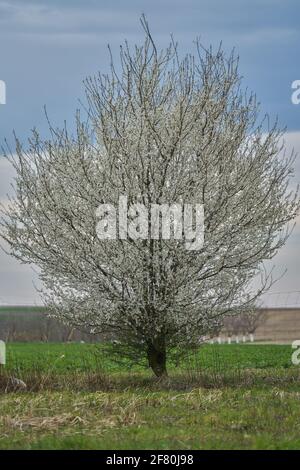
(39, 381)
(199, 418)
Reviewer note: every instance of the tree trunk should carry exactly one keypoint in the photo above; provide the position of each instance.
(157, 359)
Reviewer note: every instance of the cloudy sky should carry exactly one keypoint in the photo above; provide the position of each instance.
(48, 47)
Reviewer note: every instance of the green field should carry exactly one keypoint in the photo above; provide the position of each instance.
(223, 397)
(76, 356)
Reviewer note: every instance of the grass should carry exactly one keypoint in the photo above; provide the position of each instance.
(63, 357)
(223, 397)
(198, 419)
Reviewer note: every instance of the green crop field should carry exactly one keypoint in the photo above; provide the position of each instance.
(64, 357)
(222, 397)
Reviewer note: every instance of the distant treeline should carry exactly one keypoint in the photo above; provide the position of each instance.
(32, 324)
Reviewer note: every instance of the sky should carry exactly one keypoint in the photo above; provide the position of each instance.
(47, 48)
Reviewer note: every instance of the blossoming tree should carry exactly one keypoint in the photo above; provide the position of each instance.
(160, 130)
